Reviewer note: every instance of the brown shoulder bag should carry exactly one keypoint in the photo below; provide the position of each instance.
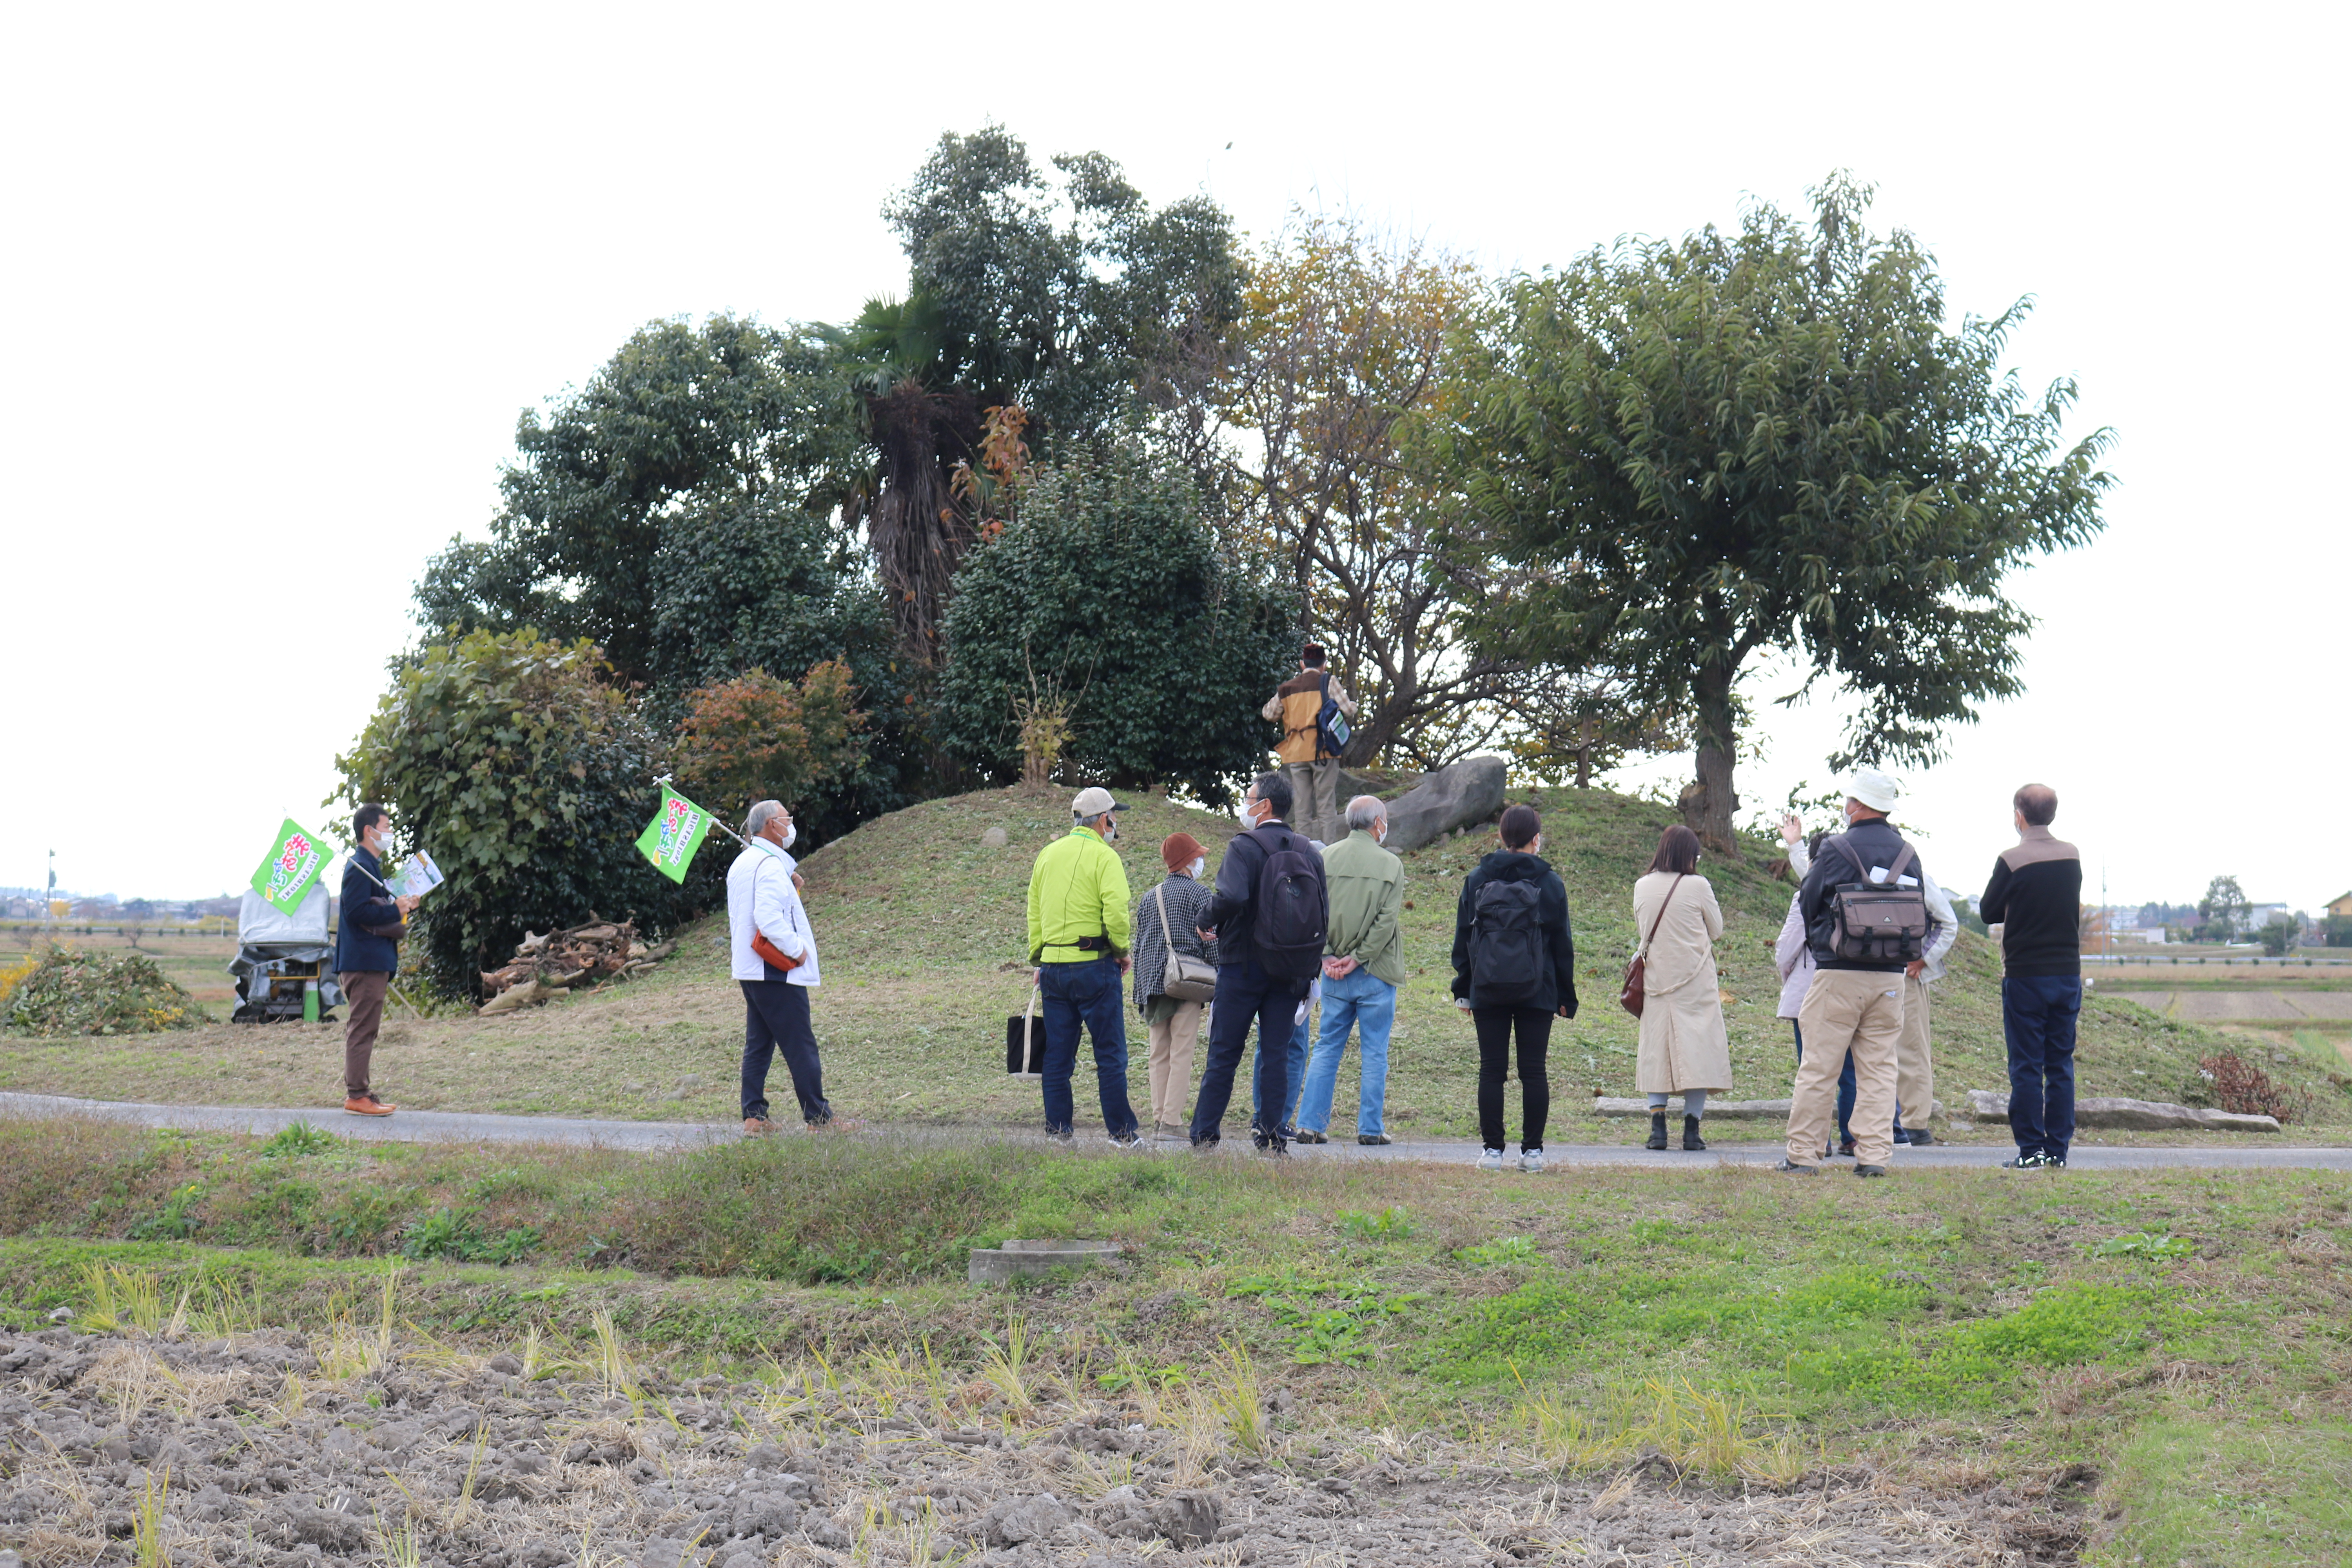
(1630, 997)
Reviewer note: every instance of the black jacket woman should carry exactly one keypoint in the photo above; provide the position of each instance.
(1518, 1001)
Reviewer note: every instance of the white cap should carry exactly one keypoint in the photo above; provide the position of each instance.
(1093, 801)
(1874, 789)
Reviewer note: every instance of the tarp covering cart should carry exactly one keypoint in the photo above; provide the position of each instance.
(285, 963)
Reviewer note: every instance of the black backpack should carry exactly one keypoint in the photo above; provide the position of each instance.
(1291, 914)
(1506, 945)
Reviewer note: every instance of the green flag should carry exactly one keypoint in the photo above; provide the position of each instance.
(674, 835)
(295, 860)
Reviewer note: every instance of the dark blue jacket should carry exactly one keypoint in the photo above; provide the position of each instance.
(1876, 843)
(367, 940)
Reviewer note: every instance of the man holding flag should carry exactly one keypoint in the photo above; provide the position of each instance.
(367, 952)
(774, 954)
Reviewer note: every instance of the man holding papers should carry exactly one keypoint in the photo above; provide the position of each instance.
(367, 954)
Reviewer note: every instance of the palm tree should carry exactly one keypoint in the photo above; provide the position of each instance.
(920, 425)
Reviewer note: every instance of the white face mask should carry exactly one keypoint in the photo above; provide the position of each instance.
(1200, 867)
(1246, 814)
(1381, 834)
(791, 831)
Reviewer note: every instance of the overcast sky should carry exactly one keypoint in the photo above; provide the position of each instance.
(284, 278)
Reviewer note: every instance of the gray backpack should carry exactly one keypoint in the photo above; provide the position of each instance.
(1876, 922)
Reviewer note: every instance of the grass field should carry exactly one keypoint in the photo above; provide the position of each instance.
(2148, 1367)
(920, 924)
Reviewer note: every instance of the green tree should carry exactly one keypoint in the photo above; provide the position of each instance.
(2279, 936)
(1060, 297)
(729, 416)
(1108, 623)
(2222, 910)
(1687, 455)
(521, 764)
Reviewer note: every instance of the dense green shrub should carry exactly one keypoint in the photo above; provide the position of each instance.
(1112, 594)
(527, 772)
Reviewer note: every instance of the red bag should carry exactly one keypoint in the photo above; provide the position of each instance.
(773, 954)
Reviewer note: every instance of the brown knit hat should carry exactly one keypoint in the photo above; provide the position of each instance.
(1180, 850)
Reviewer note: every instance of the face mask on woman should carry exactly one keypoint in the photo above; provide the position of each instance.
(1199, 866)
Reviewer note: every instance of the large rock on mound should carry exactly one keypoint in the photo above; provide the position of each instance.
(1467, 792)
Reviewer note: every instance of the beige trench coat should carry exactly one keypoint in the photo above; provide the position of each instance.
(1683, 1041)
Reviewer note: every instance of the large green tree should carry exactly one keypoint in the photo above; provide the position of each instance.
(1109, 617)
(1678, 457)
(1070, 298)
(729, 416)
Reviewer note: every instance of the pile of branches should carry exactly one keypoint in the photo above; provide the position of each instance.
(2237, 1085)
(575, 959)
(74, 993)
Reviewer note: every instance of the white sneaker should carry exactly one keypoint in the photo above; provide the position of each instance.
(1490, 1159)
(1531, 1162)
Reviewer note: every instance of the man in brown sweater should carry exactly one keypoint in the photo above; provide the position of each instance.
(1312, 769)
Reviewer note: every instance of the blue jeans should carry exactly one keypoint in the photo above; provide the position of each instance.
(1845, 1088)
(2037, 1014)
(1088, 994)
(1246, 994)
(1294, 1064)
(1367, 1001)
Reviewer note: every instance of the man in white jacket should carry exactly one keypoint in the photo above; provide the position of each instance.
(1915, 1057)
(762, 898)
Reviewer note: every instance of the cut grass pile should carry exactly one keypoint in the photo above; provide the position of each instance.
(1949, 1329)
(920, 923)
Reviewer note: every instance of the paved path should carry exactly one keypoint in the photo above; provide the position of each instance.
(450, 1126)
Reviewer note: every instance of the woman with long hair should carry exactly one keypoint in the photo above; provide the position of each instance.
(1685, 1048)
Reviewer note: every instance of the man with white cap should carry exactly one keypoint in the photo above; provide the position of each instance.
(1078, 939)
(1854, 1004)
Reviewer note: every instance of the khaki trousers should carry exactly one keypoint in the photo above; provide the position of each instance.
(1170, 1063)
(1857, 1010)
(1315, 797)
(1915, 1061)
(363, 989)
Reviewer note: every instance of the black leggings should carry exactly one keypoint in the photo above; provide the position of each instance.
(1495, 1026)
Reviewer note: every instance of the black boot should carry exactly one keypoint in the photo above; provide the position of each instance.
(1691, 1139)
(1657, 1130)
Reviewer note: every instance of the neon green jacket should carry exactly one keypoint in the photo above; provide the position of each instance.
(1079, 888)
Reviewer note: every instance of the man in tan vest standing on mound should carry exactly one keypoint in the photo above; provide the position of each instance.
(1309, 761)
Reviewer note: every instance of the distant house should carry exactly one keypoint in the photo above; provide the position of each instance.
(2261, 915)
(2341, 909)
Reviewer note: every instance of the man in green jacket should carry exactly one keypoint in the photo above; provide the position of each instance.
(1363, 966)
(1078, 939)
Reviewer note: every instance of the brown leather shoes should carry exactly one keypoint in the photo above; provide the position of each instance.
(368, 1105)
(757, 1127)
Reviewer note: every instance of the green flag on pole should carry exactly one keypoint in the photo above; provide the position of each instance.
(296, 859)
(674, 835)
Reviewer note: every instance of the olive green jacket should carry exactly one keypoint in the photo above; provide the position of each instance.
(1367, 886)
